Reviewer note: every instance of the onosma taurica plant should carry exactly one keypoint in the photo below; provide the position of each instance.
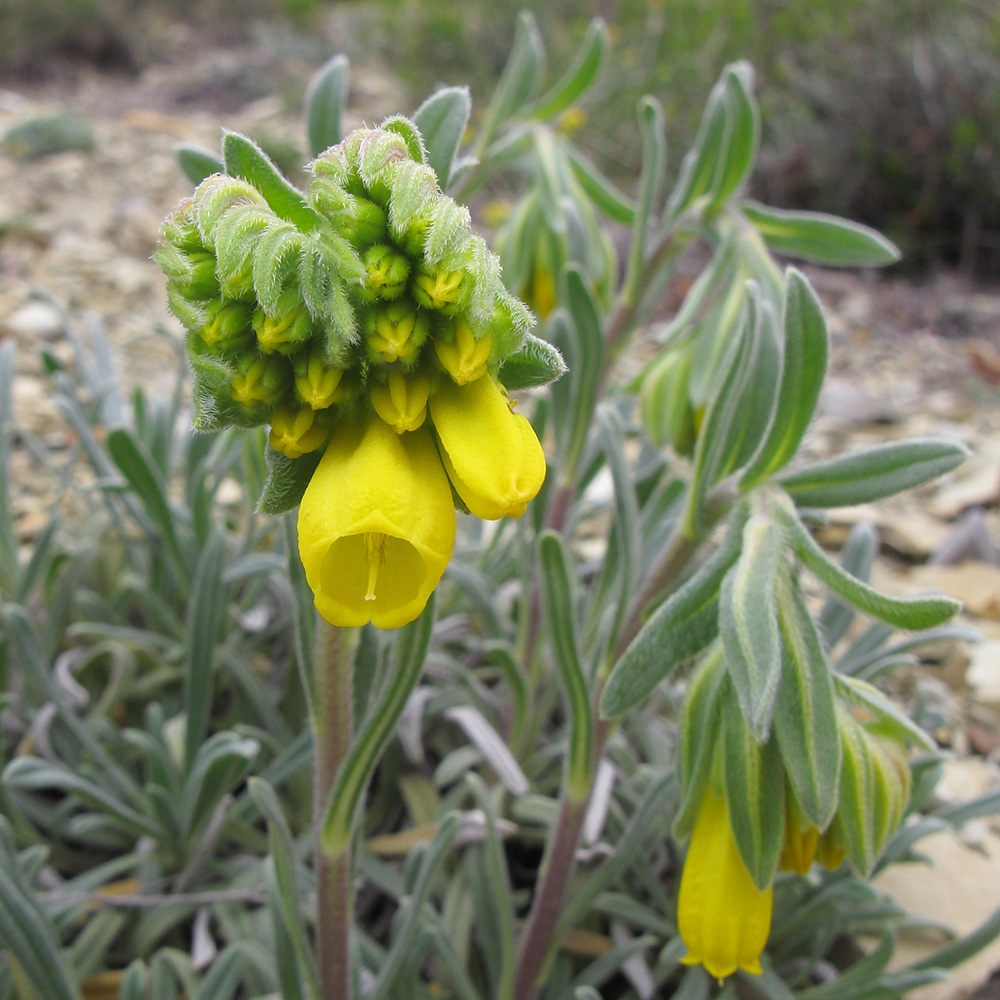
(571, 721)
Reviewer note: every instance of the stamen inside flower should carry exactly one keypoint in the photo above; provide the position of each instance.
(375, 542)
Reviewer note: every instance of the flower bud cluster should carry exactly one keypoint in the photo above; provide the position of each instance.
(366, 294)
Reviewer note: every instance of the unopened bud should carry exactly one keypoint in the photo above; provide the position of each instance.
(260, 379)
(386, 273)
(287, 329)
(402, 403)
(443, 290)
(317, 384)
(367, 225)
(228, 330)
(830, 852)
(462, 355)
(201, 282)
(297, 432)
(396, 331)
(799, 848)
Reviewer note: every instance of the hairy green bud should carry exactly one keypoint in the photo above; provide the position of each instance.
(387, 273)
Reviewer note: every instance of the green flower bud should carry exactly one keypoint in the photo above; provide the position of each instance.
(316, 383)
(288, 329)
(228, 330)
(441, 289)
(367, 225)
(387, 272)
(261, 380)
(201, 281)
(395, 332)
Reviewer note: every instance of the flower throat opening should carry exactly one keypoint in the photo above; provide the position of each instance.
(375, 542)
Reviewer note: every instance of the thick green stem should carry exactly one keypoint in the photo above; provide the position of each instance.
(332, 735)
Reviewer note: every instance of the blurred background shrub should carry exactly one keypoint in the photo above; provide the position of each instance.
(882, 111)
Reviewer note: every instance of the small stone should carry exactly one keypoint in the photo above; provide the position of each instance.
(35, 319)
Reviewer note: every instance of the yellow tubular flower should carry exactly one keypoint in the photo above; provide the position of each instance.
(464, 357)
(398, 331)
(830, 853)
(297, 432)
(402, 404)
(316, 384)
(723, 918)
(492, 455)
(376, 525)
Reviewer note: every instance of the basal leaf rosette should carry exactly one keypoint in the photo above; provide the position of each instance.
(367, 326)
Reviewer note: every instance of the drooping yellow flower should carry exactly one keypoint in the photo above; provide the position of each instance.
(723, 918)
(297, 432)
(492, 455)
(376, 524)
(798, 851)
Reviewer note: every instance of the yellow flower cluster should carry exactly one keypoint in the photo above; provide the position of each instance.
(365, 324)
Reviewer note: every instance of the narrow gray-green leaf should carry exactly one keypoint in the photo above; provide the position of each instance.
(869, 698)
(748, 622)
(197, 163)
(820, 238)
(208, 605)
(755, 793)
(903, 612)
(325, 102)
(442, 120)
(244, 158)
(803, 368)
(873, 473)
(805, 720)
(581, 74)
(557, 599)
(601, 191)
(9, 569)
(679, 628)
(857, 558)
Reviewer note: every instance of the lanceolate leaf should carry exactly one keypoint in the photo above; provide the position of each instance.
(580, 75)
(873, 473)
(680, 628)
(536, 362)
(442, 119)
(822, 239)
(866, 696)
(197, 163)
(803, 368)
(903, 612)
(244, 158)
(805, 720)
(857, 558)
(557, 599)
(755, 793)
(700, 729)
(748, 622)
(325, 102)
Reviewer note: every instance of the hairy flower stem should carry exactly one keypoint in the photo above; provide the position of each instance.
(332, 736)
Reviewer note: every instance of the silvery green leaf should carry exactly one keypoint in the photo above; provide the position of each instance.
(724, 148)
(857, 559)
(442, 120)
(903, 612)
(872, 473)
(557, 600)
(654, 159)
(803, 368)
(244, 158)
(578, 78)
(197, 163)
(805, 720)
(754, 781)
(277, 258)
(601, 190)
(678, 629)
(535, 363)
(216, 196)
(700, 730)
(868, 697)
(402, 126)
(820, 238)
(326, 98)
(748, 622)
(487, 740)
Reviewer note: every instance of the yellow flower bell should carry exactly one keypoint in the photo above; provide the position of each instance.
(723, 918)
(316, 383)
(798, 851)
(492, 455)
(376, 525)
